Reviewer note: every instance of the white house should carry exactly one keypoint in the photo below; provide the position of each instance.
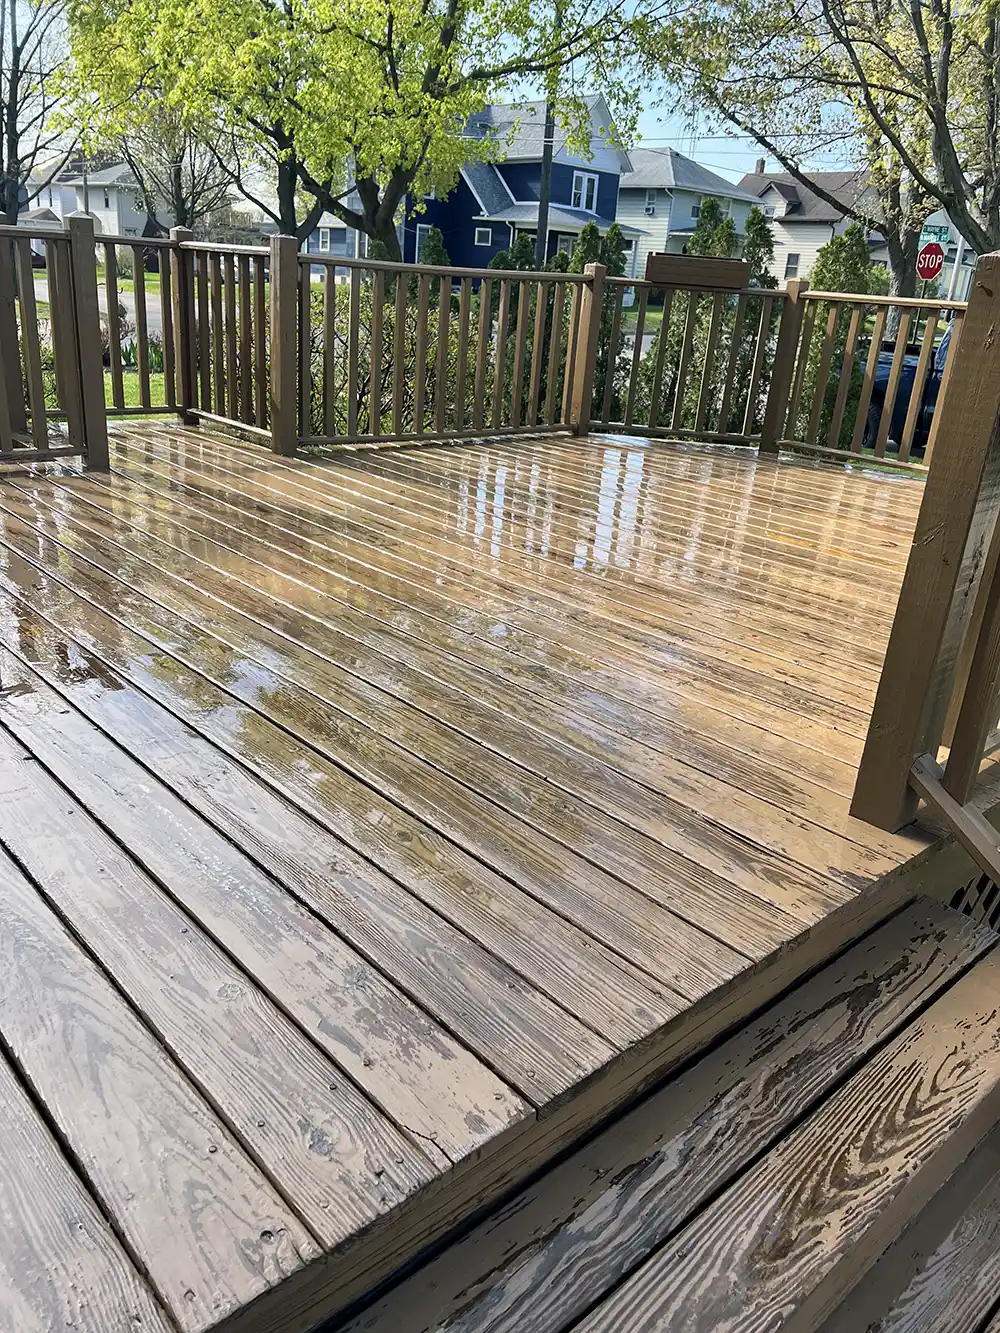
(114, 200)
(802, 222)
(661, 197)
(53, 194)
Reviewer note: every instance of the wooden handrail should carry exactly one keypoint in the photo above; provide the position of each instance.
(437, 270)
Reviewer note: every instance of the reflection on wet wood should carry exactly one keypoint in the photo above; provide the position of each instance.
(415, 799)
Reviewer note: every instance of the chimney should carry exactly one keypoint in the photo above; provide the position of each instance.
(759, 166)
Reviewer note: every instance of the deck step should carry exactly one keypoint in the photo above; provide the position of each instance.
(754, 1190)
(943, 1274)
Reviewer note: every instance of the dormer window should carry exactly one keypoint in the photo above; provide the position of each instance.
(585, 191)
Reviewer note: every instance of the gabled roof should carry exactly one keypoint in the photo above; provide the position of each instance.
(519, 128)
(803, 204)
(120, 174)
(487, 185)
(666, 169)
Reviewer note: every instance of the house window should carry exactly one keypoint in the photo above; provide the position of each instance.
(696, 208)
(50, 196)
(431, 194)
(107, 199)
(484, 235)
(585, 191)
(650, 203)
(423, 231)
(769, 210)
(565, 243)
(791, 265)
(324, 238)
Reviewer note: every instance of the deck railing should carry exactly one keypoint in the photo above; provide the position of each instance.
(938, 694)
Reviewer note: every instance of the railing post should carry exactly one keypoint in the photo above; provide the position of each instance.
(960, 505)
(789, 331)
(588, 330)
(185, 331)
(284, 331)
(89, 344)
(10, 356)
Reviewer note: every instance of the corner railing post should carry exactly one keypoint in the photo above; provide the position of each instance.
(950, 547)
(789, 330)
(284, 336)
(584, 362)
(185, 323)
(89, 342)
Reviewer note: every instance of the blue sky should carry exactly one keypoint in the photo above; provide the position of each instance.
(729, 157)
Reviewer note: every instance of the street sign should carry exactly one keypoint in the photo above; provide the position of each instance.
(930, 261)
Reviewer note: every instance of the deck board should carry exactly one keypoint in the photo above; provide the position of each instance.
(456, 787)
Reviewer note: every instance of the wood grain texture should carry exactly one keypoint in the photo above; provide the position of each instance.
(555, 1249)
(61, 1266)
(943, 1274)
(781, 1247)
(207, 1226)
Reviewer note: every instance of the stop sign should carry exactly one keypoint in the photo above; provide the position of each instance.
(930, 261)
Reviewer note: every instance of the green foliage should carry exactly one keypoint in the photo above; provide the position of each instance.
(758, 249)
(434, 251)
(714, 233)
(520, 256)
(844, 264)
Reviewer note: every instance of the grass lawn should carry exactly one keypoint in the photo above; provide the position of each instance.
(651, 324)
(128, 284)
(130, 378)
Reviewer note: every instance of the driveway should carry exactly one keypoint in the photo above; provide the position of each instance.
(154, 310)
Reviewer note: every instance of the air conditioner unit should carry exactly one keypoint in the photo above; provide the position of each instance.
(650, 210)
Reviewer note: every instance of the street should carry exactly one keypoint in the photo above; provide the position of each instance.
(154, 312)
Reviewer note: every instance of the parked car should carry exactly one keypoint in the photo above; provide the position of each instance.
(908, 373)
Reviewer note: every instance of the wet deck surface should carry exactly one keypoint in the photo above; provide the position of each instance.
(375, 825)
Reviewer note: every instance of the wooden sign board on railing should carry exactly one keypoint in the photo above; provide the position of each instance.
(700, 274)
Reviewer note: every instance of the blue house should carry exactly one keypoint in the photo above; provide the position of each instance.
(494, 202)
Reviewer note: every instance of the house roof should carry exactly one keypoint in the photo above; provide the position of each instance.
(803, 204)
(119, 174)
(488, 186)
(520, 129)
(38, 217)
(560, 217)
(666, 169)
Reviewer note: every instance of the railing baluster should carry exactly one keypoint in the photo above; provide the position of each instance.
(537, 353)
(617, 297)
(892, 388)
(353, 323)
(167, 317)
(520, 352)
(215, 266)
(232, 381)
(141, 329)
(260, 416)
(114, 324)
(64, 343)
(329, 350)
(305, 349)
(757, 369)
(868, 383)
(441, 369)
(32, 344)
(375, 359)
(957, 322)
(801, 362)
(399, 358)
(572, 344)
(246, 342)
(917, 387)
(823, 373)
(690, 324)
(555, 352)
(204, 332)
(420, 369)
(846, 375)
(633, 379)
(662, 339)
(10, 357)
(482, 352)
(500, 356)
(725, 406)
(462, 367)
(704, 392)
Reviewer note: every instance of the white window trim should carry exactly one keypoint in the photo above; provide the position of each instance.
(423, 228)
(651, 199)
(582, 180)
(484, 231)
(324, 239)
(789, 256)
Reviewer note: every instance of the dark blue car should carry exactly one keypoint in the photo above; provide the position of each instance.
(932, 387)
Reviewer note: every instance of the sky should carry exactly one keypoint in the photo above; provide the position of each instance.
(729, 157)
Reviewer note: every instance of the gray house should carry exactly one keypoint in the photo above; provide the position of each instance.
(662, 195)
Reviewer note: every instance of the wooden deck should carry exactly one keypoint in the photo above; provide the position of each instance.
(376, 826)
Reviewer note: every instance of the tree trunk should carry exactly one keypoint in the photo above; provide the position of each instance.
(286, 182)
(545, 187)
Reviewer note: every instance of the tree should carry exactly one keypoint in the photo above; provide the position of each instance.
(177, 169)
(852, 77)
(714, 233)
(758, 249)
(32, 55)
(844, 264)
(593, 248)
(355, 105)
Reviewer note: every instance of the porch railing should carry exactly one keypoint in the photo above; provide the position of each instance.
(937, 707)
